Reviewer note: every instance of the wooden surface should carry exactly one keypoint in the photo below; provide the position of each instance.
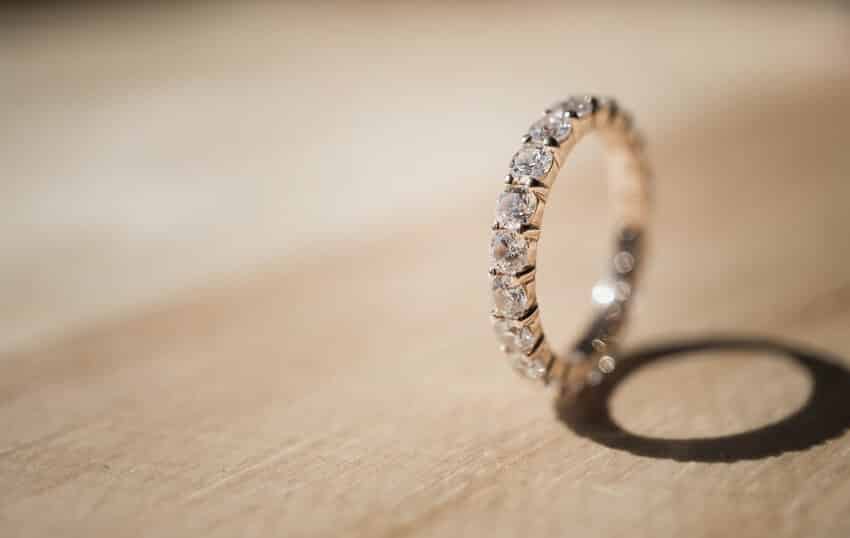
(213, 326)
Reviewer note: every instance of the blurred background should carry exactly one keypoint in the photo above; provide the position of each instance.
(245, 251)
(152, 149)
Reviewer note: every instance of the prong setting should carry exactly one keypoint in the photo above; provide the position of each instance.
(516, 233)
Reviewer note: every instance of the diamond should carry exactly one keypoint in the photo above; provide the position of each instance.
(528, 366)
(508, 251)
(607, 364)
(508, 300)
(553, 125)
(531, 162)
(515, 207)
(624, 262)
(575, 106)
(514, 338)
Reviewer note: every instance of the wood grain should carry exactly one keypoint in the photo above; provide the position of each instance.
(339, 378)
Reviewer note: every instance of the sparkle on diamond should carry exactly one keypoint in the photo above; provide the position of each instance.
(576, 106)
(531, 162)
(508, 251)
(555, 125)
(514, 208)
(509, 301)
(528, 366)
(514, 338)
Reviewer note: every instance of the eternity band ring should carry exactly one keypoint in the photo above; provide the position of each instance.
(516, 232)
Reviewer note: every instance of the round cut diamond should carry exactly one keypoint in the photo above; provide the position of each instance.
(514, 339)
(509, 301)
(624, 262)
(576, 106)
(553, 125)
(531, 162)
(528, 366)
(515, 207)
(508, 251)
(607, 364)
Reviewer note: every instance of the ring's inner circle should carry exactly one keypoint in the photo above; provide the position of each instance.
(617, 187)
(577, 241)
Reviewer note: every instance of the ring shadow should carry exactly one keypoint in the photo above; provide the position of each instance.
(825, 415)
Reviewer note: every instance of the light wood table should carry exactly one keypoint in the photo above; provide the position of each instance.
(244, 274)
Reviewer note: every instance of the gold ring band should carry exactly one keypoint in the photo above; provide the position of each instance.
(516, 232)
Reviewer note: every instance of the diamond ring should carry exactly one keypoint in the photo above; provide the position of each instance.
(516, 232)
